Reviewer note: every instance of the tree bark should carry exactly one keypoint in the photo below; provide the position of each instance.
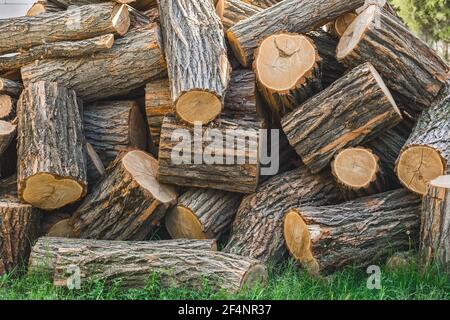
(131, 62)
(19, 224)
(359, 232)
(257, 231)
(94, 168)
(288, 16)
(202, 214)
(127, 204)
(353, 110)
(197, 93)
(435, 224)
(113, 126)
(75, 24)
(8, 187)
(426, 154)
(43, 6)
(7, 107)
(7, 133)
(264, 4)
(415, 77)
(237, 10)
(10, 87)
(51, 153)
(63, 49)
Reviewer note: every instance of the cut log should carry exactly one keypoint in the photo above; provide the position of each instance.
(235, 11)
(131, 62)
(341, 24)
(415, 77)
(7, 107)
(65, 4)
(113, 126)
(19, 226)
(222, 156)
(75, 24)
(95, 168)
(202, 214)
(52, 161)
(140, 19)
(127, 204)
(10, 87)
(257, 231)
(287, 71)
(264, 4)
(355, 233)
(8, 187)
(197, 93)
(43, 6)
(426, 154)
(7, 134)
(288, 16)
(351, 111)
(63, 49)
(44, 252)
(435, 224)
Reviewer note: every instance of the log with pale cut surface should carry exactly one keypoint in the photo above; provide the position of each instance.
(411, 69)
(75, 24)
(43, 6)
(287, 71)
(127, 204)
(202, 214)
(235, 11)
(113, 126)
(19, 226)
(358, 233)
(7, 107)
(10, 87)
(131, 62)
(51, 146)
(257, 230)
(351, 111)
(435, 223)
(199, 79)
(426, 154)
(7, 134)
(341, 24)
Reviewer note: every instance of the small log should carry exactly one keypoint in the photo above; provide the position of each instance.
(127, 204)
(435, 224)
(75, 24)
(426, 154)
(10, 87)
(197, 94)
(7, 107)
(94, 168)
(358, 233)
(350, 112)
(52, 162)
(113, 126)
(415, 77)
(58, 226)
(43, 6)
(7, 133)
(342, 23)
(63, 49)
(202, 214)
(131, 62)
(19, 225)
(287, 71)
(257, 231)
(235, 11)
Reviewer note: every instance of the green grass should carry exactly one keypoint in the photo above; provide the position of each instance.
(286, 282)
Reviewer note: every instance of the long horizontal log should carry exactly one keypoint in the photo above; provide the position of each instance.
(235, 11)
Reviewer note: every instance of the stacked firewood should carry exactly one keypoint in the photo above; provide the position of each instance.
(97, 98)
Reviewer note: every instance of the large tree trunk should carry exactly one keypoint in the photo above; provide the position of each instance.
(113, 126)
(7, 134)
(435, 223)
(359, 232)
(235, 11)
(257, 231)
(350, 112)
(74, 24)
(202, 214)
(413, 72)
(200, 78)
(127, 204)
(10, 87)
(289, 16)
(51, 146)
(426, 154)
(7, 107)
(131, 62)
(19, 226)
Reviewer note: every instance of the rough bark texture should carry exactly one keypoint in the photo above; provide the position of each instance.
(237, 10)
(10, 87)
(8, 186)
(43, 6)
(44, 252)
(257, 231)
(205, 71)
(202, 214)
(435, 224)
(19, 225)
(350, 112)
(7, 107)
(76, 3)
(359, 232)
(63, 49)
(415, 77)
(120, 207)
(51, 144)
(94, 168)
(289, 16)
(264, 4)
(75, 24)
(113, 126)
(131, 62)
(7, 133)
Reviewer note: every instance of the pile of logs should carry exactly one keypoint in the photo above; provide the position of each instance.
(97, 96)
